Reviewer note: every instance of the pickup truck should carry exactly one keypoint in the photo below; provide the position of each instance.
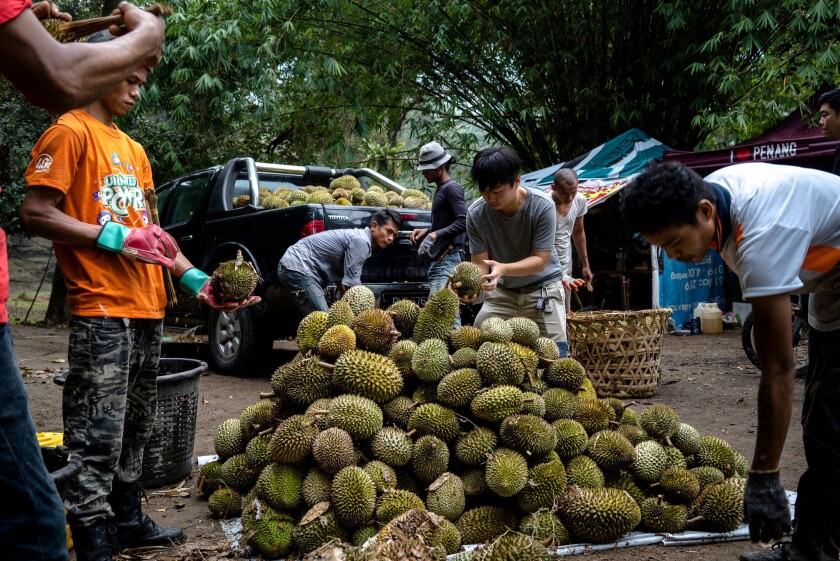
(198, 211)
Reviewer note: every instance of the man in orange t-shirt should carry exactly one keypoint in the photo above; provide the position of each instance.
(85, 192)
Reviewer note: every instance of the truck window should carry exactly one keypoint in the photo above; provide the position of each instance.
(186, 198)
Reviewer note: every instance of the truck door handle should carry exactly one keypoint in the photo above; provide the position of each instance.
(187, 238)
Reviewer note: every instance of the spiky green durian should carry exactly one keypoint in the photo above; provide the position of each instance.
(235, 279)
(402, 353)
(315, 487)
(209, 478)
(593, 414)
(721, 506)
(256, 418)
(475, 484)
(513, 546)
(463, 358)
(392, 446)
(528, 435)
(625, 481)
(544, 526)
(359, 416)
(610, 450)
(547, 350)
(281, 486)
(633, 433)
(340, 314)
(332, 450)
(498, 363)
(437, 317)
(571, 438)
(495, 330)
(485, 523)
(473, 447)
(431, 361)
(383, 476)
(566, 373)
(708, 475)
(306, 381)
(394, 502)
(405, 314)
(459, 388)
(506, 472)
(372, 198)
(662, 517)
(584, 472)
(257, 452)
(292, 440)
(353, 496)
(429, 459)
(314, 529)
(466, 279)
(319, 198)
(375, 330)
(360, 298)
(680, 485)
(229, 439)
(544, 488)
(346, 182)
(559, 404)
(659, 421)
(497, 403)
(687, 439)
(368, 375)
(225, 503)
(599, 515)
(399, 410)
(717, 453)
(446, 496)
(651, 461)
(465, 337)
(337, 340)
(310, 330)
(434, 419)
(534, 404)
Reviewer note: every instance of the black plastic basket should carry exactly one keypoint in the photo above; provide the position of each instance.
(169, 453)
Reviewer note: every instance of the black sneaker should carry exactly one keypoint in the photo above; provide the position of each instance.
(780, 551)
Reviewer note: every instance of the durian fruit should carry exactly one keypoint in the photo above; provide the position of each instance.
(376, 189)
(337, 340)
(679, 485)
(319, 198)
(375, 330)
(307, 381)
(463, 358)
(450, 537)
(740, 464)
(707, 475)
(405, 314)
(466, 279)
(316, 487)
(485, 523)
(332, 450)
(506, 472)
(431, 361)
(392, 446)
(383, 476)
(359, 416)
(229, 439)
(630, 417)
(534, 404)
(209, 478)
(402, 353)
(625, 481)
(528, 435)
(270, 534)
(414, 534)
(237, 474)
(475, 483)
(497, 403)
(394, 502)
(281, 486)
(340, 313)
(633, 433)
(544, 488)
(527, 358)
(318, 409)
(235, 279)
(544, 526)
(318, 526)
(651, 461)
(559, 404)
(357, 196)
(292, 440)
(399, 410)
(416, 193)
(498, 364)
(437, 317)
(225, 503)
(566, 373)
(372, 198)
(457, 389)
(584, 472)
(593, 414)
(446, 496)
(394, 202)
(363, 534)
(256, 418)
(610, 450)
(429, 459)
(425, 393)
(353, 496)
(495, 330)
(547, 350)
(721, 506)
(310, 330)
(686, 439)
(360, 298)
(599, 515)
(241, 201)
(346, 182)
(675, 458)
(257, 452)
(662, 517)
(659, 421)
(513, 547)
(465, 337)
(368, 375)
(414, 202)
(472, 448)
(407, 482)
(524, 331)
(436, 420)
(571, 438)
(717, 453)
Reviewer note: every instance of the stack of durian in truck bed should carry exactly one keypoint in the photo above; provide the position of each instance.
(390, 424)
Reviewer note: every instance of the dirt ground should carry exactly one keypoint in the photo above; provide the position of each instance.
(706, 378)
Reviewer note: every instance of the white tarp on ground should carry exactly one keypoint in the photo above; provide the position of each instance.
(233, 531)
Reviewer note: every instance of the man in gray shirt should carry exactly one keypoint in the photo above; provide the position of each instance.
(334, 256)
(511, 232)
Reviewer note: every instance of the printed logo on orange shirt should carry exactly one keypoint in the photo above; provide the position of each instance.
(43, 163)
(122, 195)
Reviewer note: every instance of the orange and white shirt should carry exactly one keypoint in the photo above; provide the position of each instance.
(785, 234)
(102, 174)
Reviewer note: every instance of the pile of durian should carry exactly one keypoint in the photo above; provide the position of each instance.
(391, 424)
(345, 190)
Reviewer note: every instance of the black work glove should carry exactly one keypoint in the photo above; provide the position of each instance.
(425, 249)
(766, 506)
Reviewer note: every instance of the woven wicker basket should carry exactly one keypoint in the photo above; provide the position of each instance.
(619, 350)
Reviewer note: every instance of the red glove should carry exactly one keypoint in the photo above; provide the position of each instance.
(149, 244)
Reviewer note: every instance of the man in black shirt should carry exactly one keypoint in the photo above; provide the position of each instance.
(830, 121)
(442, 243)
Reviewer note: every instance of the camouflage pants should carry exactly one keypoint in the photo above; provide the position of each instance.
(108, 407)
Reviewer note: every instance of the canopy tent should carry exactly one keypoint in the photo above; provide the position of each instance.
(605, 169)
(793, 141)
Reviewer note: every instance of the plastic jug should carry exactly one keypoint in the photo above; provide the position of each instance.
(711, 319)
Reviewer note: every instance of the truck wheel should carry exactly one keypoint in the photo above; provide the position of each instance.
(236, 344)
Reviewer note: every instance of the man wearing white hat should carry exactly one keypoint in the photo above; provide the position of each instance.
(442, 243)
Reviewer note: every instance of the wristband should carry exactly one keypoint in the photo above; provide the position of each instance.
(112, 237)
(193, 280)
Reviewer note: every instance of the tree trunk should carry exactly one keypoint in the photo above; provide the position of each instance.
(58, 312)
